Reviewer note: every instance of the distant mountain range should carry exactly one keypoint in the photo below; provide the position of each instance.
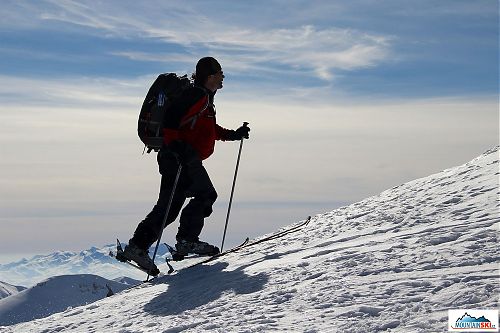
(28, 272)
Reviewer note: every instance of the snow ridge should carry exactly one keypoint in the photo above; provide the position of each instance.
(55, 294)
(395, 262)
(7, 289)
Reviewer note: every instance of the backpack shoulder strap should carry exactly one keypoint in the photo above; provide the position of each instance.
(196, 111)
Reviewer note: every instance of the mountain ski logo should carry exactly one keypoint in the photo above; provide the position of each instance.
(473, 320)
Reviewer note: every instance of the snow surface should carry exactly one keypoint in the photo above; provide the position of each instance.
(7, 289)
(128, 281)
(395, 262)
(55, 294)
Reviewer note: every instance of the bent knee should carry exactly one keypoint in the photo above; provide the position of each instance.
(212, 196)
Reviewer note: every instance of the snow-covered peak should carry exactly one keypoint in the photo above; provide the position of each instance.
(395, 262)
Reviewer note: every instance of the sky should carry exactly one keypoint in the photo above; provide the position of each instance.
(344, 100)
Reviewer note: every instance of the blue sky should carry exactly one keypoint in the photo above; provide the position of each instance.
(345, 99)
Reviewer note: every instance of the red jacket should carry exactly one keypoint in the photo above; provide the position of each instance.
(193, 121)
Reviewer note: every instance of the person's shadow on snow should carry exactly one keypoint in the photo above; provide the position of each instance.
(199, 285)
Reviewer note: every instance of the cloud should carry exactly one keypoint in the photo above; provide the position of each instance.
(79, 92)
(319, 51)
(304, 49)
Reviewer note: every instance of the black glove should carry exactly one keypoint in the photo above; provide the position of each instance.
(240, 133)
(184, 152)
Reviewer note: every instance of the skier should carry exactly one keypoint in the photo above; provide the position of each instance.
(187, 140)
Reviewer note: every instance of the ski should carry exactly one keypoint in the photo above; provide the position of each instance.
(231, 250)
(247, 243)
(208, 258)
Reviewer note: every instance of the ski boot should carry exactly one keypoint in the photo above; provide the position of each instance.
(139, 256)
(184, 247)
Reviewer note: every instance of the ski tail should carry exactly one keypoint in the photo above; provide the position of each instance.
(119, 252)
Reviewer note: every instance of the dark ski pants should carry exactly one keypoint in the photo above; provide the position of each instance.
(193, 183)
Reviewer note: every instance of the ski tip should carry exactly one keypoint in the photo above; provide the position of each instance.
(170, 248)
(170, 269)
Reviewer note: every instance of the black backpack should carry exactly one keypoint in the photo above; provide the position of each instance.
(164, 90)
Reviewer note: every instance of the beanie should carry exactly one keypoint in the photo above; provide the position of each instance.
(205, 67)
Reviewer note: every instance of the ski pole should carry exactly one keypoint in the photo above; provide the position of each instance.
(166, 216)
(232, 190)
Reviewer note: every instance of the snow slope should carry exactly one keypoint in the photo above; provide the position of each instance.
(28, 272)
(7, 289)
(55, 294)
(395, 262)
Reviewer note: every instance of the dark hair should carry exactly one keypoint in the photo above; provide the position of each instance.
(204, 68)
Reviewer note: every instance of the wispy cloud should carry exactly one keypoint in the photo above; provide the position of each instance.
(77, 92)
(317, 52)
(310, 50)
